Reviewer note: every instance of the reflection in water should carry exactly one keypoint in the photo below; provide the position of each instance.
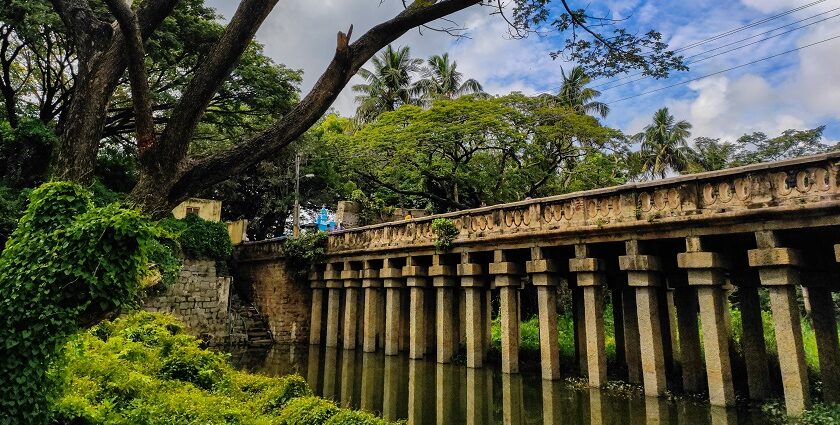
(424, 392)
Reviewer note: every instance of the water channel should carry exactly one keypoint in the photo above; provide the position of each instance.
(426, 392)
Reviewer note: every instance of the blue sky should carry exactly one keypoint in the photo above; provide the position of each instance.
(796, 90)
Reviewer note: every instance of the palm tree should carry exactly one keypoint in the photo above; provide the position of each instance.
(388, 85)
(575, 95)
(664, 146)
(441, 79)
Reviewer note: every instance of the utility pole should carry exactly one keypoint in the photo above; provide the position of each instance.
(296, 219)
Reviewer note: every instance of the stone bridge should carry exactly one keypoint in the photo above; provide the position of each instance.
(668, 255)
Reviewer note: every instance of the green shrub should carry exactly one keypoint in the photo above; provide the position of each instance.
(303, 252)
(200, 238)
(143, 369)
(67, 264)
(308, 411)
(445, 233)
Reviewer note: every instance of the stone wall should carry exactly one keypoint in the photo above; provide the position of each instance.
(199, 298)
(282, 299)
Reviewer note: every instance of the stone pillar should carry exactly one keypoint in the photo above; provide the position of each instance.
(632, 351)
(318, 286)
(472, 280)
(579, 330)
(544, 277)
(313, 366)
(330, 358)
(753, 345)
(444, 282)
(643, 275)
(506, 278)
(825, 329)
(706, 273)
(392, 280)
(332, 276)
(416, 280)
(352, 283)
(371, 391)
(487, 318)
(685, 301)
(591, 280)
(777, 268)
(372, 285)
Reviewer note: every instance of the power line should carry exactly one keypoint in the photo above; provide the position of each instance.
(722, 71)
(748, 26)
(731, 50)
(732, 31)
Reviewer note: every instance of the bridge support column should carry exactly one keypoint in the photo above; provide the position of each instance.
(632, 351)
(416, 280)
(351, 305)
(777, 268)
(592, 279)
(544, 276)
(443, 280)
(316, 282)
(372, 285)
(691, 362)
(332, 276)
(825, 328)
(753, 344)
(643, 275)
(472, 280)
(506, 278)
(706, 273)
(392, 279)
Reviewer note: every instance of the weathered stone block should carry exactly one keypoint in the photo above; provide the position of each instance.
(768, 257)
(639, 263)
(577, 265)
(541, 266)
(505, 268)
(700, 260)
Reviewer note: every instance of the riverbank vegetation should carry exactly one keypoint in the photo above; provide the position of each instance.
(144, 369)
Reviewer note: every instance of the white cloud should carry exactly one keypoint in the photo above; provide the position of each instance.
(797, 90)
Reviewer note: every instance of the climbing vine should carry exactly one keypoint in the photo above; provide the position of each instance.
(67, 265)
(305, 251)
(445, 233)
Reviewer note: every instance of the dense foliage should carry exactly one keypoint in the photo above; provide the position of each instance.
(445, 233)
(68, 264)
(301, 253)
(200, 238)
(144, 369)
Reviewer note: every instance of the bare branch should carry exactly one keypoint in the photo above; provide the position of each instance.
(578, 22)
(135, 57)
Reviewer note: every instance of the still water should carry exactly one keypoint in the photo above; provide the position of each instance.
(425, 392)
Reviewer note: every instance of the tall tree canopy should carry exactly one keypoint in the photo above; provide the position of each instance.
(387, 85)
(441, 79)
(472, 151)
(104, 40)
(575, 94)
(664, 146)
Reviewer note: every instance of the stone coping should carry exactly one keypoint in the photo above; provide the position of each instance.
(788, 190)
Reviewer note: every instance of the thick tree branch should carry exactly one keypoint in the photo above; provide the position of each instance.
(209, 76)
(346, 62)
(135, 57)
(586, 28)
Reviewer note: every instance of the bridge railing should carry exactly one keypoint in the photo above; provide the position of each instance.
(799, 184)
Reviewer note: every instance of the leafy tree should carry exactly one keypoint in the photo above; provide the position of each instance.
(472, 151)
(710, 154)
(67, 265)
(169, 172)
(575, 94)
(441, 79)
(663, 145)
(388, 85)
(757, 147)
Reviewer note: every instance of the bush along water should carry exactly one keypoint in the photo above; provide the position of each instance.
(199, 238)
(67, 265)
(143, 369)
